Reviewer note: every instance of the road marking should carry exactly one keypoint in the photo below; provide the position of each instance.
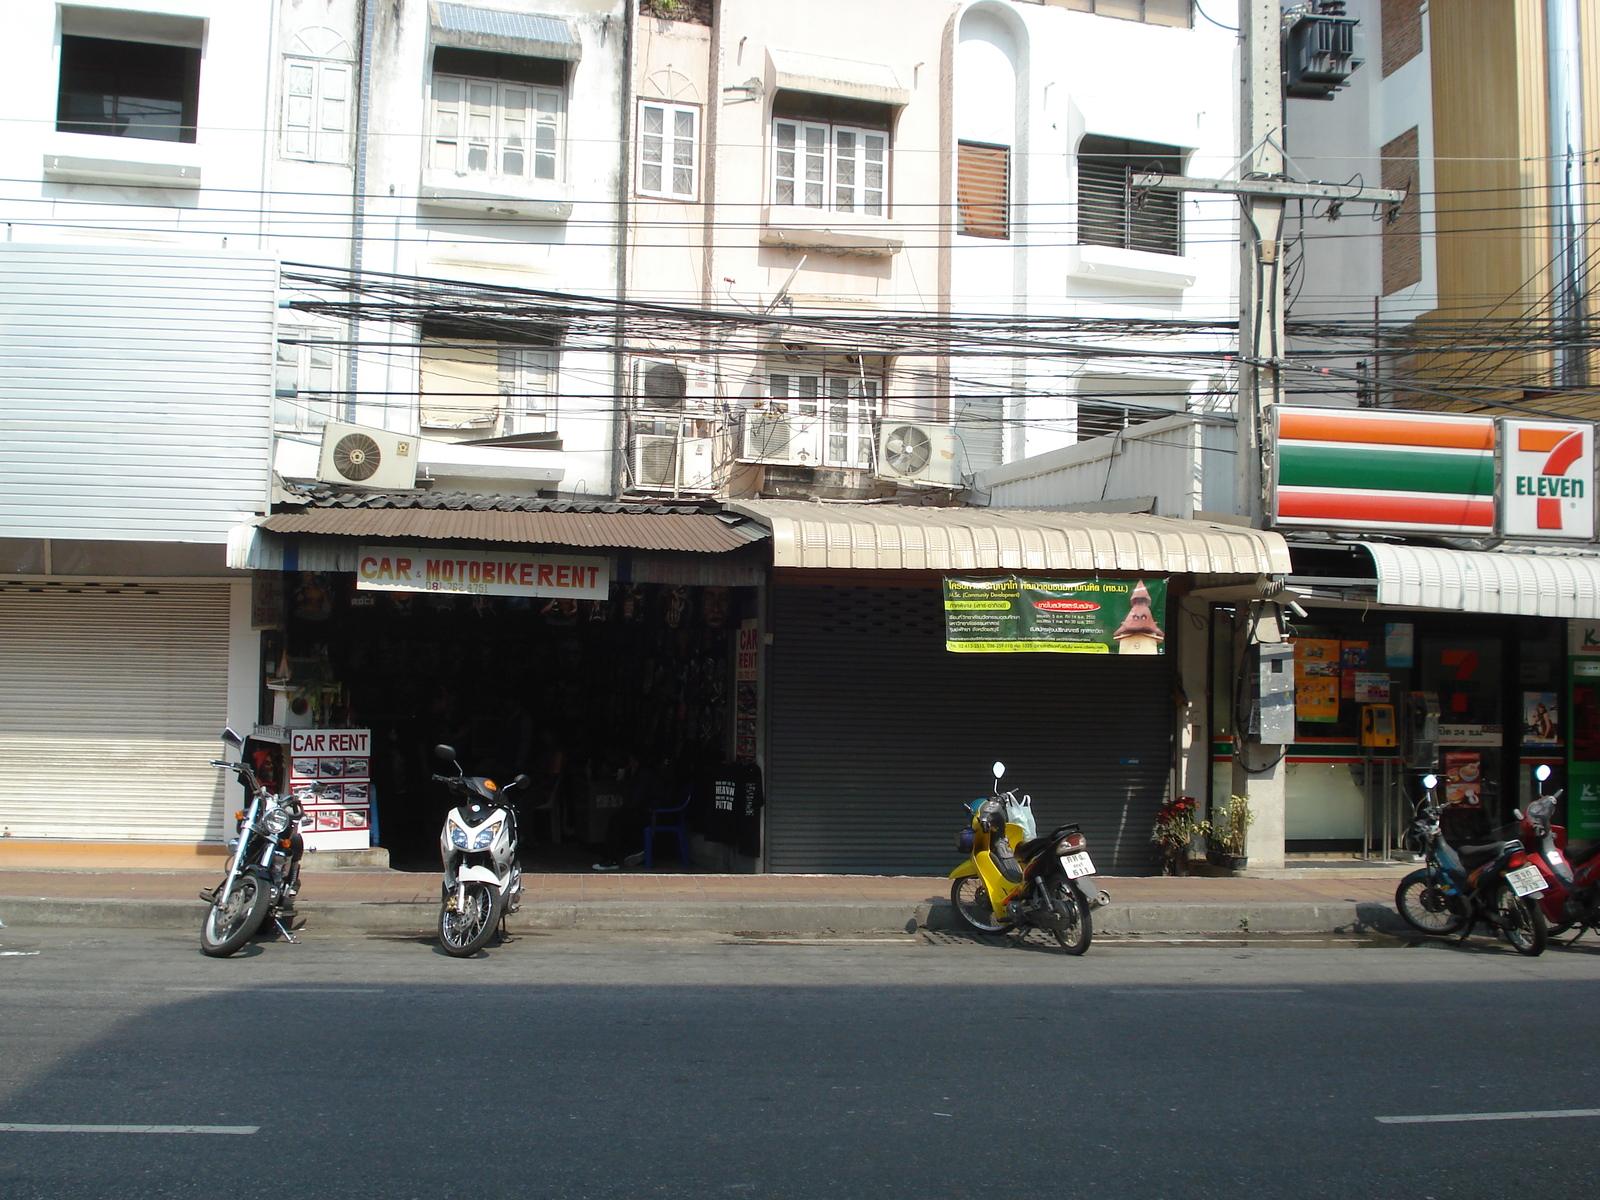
(1442, 1118)
(1205, 991)
(17, 953)
(293, 991)
(23, 1128)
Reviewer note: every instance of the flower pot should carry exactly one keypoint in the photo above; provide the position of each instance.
(1221, 858)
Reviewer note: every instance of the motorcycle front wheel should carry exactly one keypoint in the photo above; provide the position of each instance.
(1077, 930)
(970, 898)
(229, 926)
(1523, 921)
(465, 930)
(1425, 906)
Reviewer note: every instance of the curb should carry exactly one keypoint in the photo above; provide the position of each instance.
(623, 916)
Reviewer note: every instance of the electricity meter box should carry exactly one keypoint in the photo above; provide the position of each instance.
(1275, 723)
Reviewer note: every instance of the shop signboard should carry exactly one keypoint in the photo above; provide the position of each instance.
(1548, 473)
(1583, 729)
(339, 817)
(1008, 614)
(746, 683)
(1422, 472)
(482, 572)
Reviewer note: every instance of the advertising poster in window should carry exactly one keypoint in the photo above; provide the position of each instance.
(1010, 615)
(1318, 676)
(1540, 722)
(339, 815)
(1463, 778)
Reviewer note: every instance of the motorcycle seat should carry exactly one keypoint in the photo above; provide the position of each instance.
(1000, 850)
(1477, 855)
(1033, 847)
(1578, 853)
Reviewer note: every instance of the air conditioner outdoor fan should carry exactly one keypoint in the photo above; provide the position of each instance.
(908, 449)
(356, 457)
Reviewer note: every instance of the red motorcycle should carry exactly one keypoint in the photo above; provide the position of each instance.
(1572, 878)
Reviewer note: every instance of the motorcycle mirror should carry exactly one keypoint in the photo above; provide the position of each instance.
(1542, 772)
(318, 788)
(521, 781)
(1430, 782)
(999, 769)
(232, 738)
(1516, 813)
(444, 753)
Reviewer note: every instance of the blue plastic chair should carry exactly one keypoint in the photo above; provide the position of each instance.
(678, 827)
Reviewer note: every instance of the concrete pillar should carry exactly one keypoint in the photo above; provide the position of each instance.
(1259, 770)
(1193, 647)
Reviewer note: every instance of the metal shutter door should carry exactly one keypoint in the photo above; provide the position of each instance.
(877, 732)
(111, 699)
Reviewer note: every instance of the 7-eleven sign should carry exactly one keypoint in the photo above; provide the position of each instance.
(1547, 479)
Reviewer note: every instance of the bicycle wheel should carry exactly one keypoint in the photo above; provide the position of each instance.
(970, 898)
(1426, 906)
(1524, 924)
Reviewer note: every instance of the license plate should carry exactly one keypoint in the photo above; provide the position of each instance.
(1077, 865)
(1526, 881)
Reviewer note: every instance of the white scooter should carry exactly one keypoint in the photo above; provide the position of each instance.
(482, 879)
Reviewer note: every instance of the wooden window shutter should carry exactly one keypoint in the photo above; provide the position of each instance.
(983, 189)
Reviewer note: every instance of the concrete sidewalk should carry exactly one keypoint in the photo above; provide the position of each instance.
(383, 901)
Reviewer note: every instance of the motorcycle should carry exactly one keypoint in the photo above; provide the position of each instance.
(482, 878)
(1572, 877)
(1463, 885)
(1014, 878)
(264, 870)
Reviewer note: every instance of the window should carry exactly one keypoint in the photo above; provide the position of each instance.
(983, 189)
(668, 142)
(485, 388)
(1112, 212)
(128, 89)
(1151, 12)
(830, 153)
(307, 368)
(844, 406)
(316, 110)
(497, 116)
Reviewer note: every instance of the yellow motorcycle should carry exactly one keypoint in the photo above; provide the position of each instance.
(1015, 878)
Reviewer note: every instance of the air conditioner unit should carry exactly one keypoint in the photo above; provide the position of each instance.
(922, 454)
(354, 455)
(776, 435)
(664, 463)
(669, 384)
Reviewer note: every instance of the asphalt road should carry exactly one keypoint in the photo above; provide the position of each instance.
(631, 1066)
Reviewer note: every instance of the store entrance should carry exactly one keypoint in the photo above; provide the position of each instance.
(589, 698)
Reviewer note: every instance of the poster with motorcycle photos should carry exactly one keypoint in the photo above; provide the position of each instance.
(339, 817)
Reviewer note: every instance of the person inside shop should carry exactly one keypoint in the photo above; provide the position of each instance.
(646, 790)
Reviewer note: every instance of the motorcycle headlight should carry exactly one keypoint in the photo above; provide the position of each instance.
(458, 837)
(485, 836)
(275, 822)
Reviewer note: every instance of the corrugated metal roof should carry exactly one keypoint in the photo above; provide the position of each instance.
(695, 532)
(889, 537)
(1535, 585)
(527, 27)
(323, 495)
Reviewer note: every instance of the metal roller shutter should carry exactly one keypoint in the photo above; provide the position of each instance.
(111, 699)
(877, 732)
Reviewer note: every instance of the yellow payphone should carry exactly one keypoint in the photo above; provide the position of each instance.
(1377, 725)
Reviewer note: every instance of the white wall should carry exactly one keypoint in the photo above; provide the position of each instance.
(135, 391)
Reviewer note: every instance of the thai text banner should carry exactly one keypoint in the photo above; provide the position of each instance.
(1008, 614)
(482, 572)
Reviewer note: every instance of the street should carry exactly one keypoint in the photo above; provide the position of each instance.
(600, 1065)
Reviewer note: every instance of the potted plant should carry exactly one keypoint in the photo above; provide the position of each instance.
(1175, 828)
(1225, 834)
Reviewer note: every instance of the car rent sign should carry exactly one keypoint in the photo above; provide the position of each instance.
(482, 572)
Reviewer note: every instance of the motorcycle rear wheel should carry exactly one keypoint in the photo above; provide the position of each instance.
(1525, 927)
(1425, 906)
(1079, 931)
(226, 928)
(464, 933)
(970, 898)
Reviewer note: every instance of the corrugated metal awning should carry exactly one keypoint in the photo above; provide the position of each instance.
(696, 533)
(533, 34)
(892, 537)
(1535, 585)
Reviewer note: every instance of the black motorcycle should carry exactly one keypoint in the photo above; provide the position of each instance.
(1466, 883)
(264, 870)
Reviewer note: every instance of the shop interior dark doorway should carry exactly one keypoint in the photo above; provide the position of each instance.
(573, 693)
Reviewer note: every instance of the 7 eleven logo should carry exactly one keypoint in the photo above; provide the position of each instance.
(1551, 469)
